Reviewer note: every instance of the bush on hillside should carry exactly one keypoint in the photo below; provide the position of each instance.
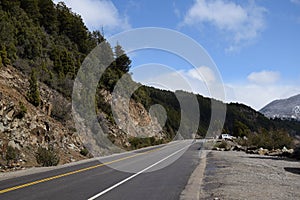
(21, 111)
(84, 151)
(47, 157)
(12, 154)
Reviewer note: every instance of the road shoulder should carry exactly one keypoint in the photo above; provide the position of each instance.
(192, 190)
(236, 175)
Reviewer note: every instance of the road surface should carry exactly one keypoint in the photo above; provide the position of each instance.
(153, 173)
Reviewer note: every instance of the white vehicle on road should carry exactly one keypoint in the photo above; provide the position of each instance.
(226, 137)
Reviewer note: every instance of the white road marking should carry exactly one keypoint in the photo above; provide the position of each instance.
(134, 175)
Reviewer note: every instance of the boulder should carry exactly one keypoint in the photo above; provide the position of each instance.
(238, 148)
(2, 128)
(14, 145)
(275, 152)
(10, 115)
(262, 151)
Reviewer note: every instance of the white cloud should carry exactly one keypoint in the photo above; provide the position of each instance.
(202, 73)
(257, 96)
(254, 93)
(176, 10)
(97, 14)
(262, 88)
(264, 77)
(242, 23)
(162, 76)
(201, 80)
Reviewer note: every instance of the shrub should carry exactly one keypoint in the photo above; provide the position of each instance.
(47, 157)
(84, 152)
(274, 139)
(11, 154)
(22, 111)
(222, 145)
(137, 142)
(61, 110)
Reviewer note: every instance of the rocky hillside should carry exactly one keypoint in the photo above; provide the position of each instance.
(284, 108)
(41, 49)
(24, 127)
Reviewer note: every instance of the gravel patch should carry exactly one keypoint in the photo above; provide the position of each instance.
(236, 175)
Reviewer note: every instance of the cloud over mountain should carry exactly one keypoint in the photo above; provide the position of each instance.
(240, 22)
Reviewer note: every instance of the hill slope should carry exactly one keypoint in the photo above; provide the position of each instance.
(25, 127)
(284, 108)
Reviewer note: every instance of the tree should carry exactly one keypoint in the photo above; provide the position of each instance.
(7, 34)
(72, 26)
(32, 9)
(240, 129)
(122, 61)
(9, 5)
(33, 94)
(48, 18)
(4, 59)
(97, 37)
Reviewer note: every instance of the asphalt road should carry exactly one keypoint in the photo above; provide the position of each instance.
(154, 173)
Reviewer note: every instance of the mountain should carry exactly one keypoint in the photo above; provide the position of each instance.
(285, 108)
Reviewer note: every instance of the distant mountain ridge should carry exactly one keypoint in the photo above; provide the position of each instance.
(285, 108)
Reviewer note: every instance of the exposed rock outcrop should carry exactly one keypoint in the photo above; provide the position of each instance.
(24, 127)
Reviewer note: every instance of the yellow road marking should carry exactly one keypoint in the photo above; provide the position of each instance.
(72, 172)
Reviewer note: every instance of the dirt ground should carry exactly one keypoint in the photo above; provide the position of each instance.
(236, 175)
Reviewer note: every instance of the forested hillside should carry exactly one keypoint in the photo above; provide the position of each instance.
(36, 34)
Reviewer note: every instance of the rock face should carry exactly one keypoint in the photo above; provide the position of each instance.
(136, 121)
(24, 127)
(131, 120)
(285, 108)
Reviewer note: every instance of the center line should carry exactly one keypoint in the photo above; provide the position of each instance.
(134, 175)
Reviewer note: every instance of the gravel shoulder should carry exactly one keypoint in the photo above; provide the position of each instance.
(236, 175)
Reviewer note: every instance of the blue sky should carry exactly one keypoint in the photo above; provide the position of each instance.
(255, 44)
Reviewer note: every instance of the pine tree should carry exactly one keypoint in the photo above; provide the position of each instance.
(33, 94)
(10, 5)
(3, 54)
(97, 37)
(122, 61)
(48, 18)
(32, 9)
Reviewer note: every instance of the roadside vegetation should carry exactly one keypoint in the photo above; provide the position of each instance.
(47, 156)
(137, 142)
(12, 155)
